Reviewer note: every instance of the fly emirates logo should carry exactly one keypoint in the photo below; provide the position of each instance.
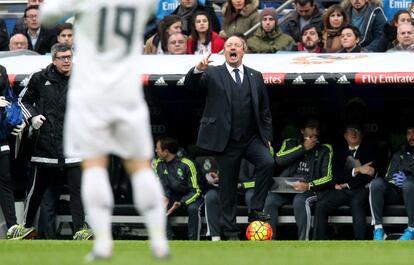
(384, 78)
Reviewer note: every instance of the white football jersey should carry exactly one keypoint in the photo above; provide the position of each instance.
(108, 39)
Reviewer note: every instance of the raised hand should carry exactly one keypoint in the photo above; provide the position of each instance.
(203, 64)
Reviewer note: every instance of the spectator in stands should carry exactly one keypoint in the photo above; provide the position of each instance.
(369, 18)
(405, 37)
(177, 44)
(65, 34)
(157, 44)
(411, 10)
(212, 200)
(18, 42)
(4, 36)
(353, 168)
(239, 16)
(203, 39)
(20, 25)
(350, 37)
(43, 103)
(187, 8)
(311, 40)
(309, 164)
(397, 187)
(6, 183)
(389, 37)
(306, 13)
(40, 38)
(235, 127)
(180, 179)
(334, 18)
(269, 38)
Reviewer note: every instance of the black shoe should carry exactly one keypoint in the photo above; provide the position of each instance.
(256, 215)
(233, 237)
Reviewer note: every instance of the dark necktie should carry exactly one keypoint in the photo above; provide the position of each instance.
(238, 79)
(351, 152)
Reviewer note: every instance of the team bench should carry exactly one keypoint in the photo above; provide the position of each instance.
(126, 215)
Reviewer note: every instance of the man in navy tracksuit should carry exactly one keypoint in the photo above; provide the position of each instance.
(179, 178)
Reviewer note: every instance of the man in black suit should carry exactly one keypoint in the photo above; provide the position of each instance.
(236, 124)
(354, 168)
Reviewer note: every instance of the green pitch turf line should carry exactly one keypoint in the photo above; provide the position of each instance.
(43, 252)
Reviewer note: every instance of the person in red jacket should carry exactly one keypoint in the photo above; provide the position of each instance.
(203, 39)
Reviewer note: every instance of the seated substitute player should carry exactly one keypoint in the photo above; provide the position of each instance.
(107, 113)
(396, 187)
(309, 163)
(179, 178)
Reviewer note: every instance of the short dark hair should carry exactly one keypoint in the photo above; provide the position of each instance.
(310, 122)
(304, 2)
(62, 27)
(169, 143)
(354, 29)
(59, 47)
(30, 8)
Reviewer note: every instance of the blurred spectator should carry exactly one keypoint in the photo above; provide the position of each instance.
(4, 36)
(405, 37)
(187, 8)
(18, 42)
(311, 40)
(20, 25)
(43, 102)
(239, 16)
(157, 44)
(179, 178)
(350, 37)
(269, 38)
(40, 38)
(411, 10)
(203, 39)
(354, 167)
(65, 33)
(388, 39)
(369, 18)
(397, 187)
(306, 13)
(177, 44)
(334, 18)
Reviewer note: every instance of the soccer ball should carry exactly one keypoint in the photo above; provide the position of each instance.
(259, 231)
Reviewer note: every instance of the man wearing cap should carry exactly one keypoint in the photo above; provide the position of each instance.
(354, 168)
(269, 38)
(396, 187)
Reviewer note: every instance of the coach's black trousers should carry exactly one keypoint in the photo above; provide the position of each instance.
(45, 177)
(257, 153)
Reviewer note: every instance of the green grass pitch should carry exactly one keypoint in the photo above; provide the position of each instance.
(43, 252)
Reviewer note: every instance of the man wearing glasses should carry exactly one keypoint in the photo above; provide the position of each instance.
(40, 38)
(354, 167)
(43, 103)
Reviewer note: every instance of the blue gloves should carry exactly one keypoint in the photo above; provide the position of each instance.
(399, 178)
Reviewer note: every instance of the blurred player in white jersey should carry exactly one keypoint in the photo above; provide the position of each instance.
(107, 113)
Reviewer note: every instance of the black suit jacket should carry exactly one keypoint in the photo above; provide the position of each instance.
(215, 125)
(45, 41)
(366, 153)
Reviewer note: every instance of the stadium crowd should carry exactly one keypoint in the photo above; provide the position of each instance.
(324, 175)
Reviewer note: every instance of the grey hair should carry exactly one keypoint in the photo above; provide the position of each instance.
(60, 47)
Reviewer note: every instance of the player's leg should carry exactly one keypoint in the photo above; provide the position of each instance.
(98, 202)
(149, 200)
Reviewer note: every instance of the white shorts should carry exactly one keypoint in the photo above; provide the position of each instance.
(92, 130)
